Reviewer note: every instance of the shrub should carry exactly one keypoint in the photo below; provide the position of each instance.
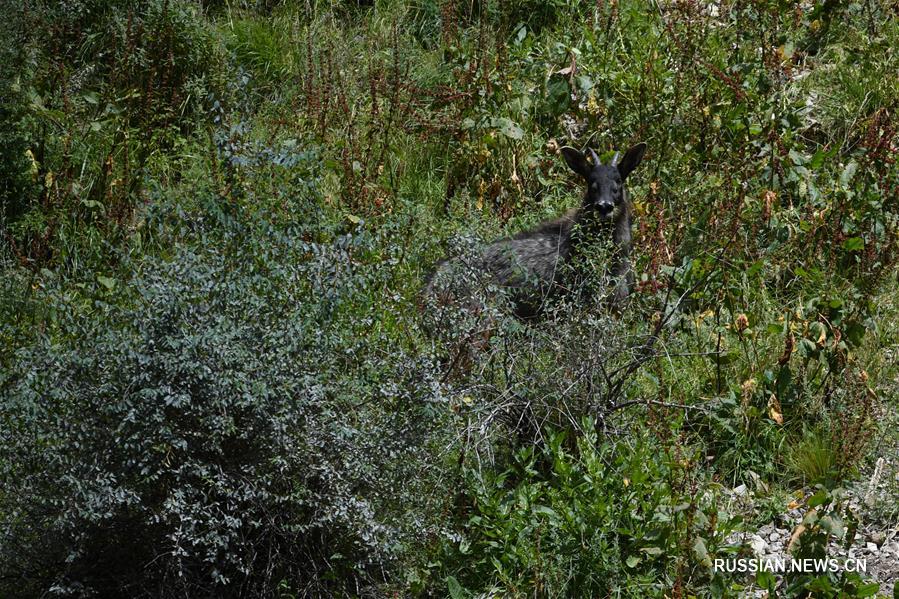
(604, 519)
(207, 428)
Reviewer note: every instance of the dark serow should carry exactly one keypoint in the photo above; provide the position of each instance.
(537, 263)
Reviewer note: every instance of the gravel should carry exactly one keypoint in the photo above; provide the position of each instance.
(872, 500)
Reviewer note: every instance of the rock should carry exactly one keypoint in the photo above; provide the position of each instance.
(758, 544)
(877, 537)
(871, 547)
(740, 491)
(774, 537)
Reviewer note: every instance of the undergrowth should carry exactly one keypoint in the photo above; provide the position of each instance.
(218, 375)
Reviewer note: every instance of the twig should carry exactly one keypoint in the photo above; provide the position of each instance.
(654, 402)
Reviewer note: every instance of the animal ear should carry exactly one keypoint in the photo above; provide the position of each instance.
(631, 159)
(576, 161)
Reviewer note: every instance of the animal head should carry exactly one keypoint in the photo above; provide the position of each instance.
(605, 195)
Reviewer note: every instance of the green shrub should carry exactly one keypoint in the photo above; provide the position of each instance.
(211, 423)
(601, 519)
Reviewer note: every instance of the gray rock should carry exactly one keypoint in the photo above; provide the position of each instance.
(871, 547)
(759, 546)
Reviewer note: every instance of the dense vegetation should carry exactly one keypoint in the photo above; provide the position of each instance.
(215, 375)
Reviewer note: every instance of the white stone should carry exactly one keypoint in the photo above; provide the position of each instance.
(759, 546)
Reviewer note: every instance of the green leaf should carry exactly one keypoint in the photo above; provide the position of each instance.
(766, 580)
(548, 511)
(796, 157)
(558, 94)
(107, 282)
(871, 589)
(508, 128)
(522, 33)
(633, 560)
(584, 83)
(455, 589)
(819, 498)
(833, 525)
(854, 244)
(848, 173)
(701, 552)
(817, 160)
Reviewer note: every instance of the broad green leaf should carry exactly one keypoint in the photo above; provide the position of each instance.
(833, 525)
(701, 552)
(455, 589)
(819, 498)
(522, 33)
(854, 244)
(508, 128)
(766, 580)
(107, 282)
(848, 173)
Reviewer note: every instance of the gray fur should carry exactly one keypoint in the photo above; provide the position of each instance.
(531, 265)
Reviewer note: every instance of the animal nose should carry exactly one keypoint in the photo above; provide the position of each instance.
(605, 208)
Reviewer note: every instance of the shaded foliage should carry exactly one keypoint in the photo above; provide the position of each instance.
(202, 428)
